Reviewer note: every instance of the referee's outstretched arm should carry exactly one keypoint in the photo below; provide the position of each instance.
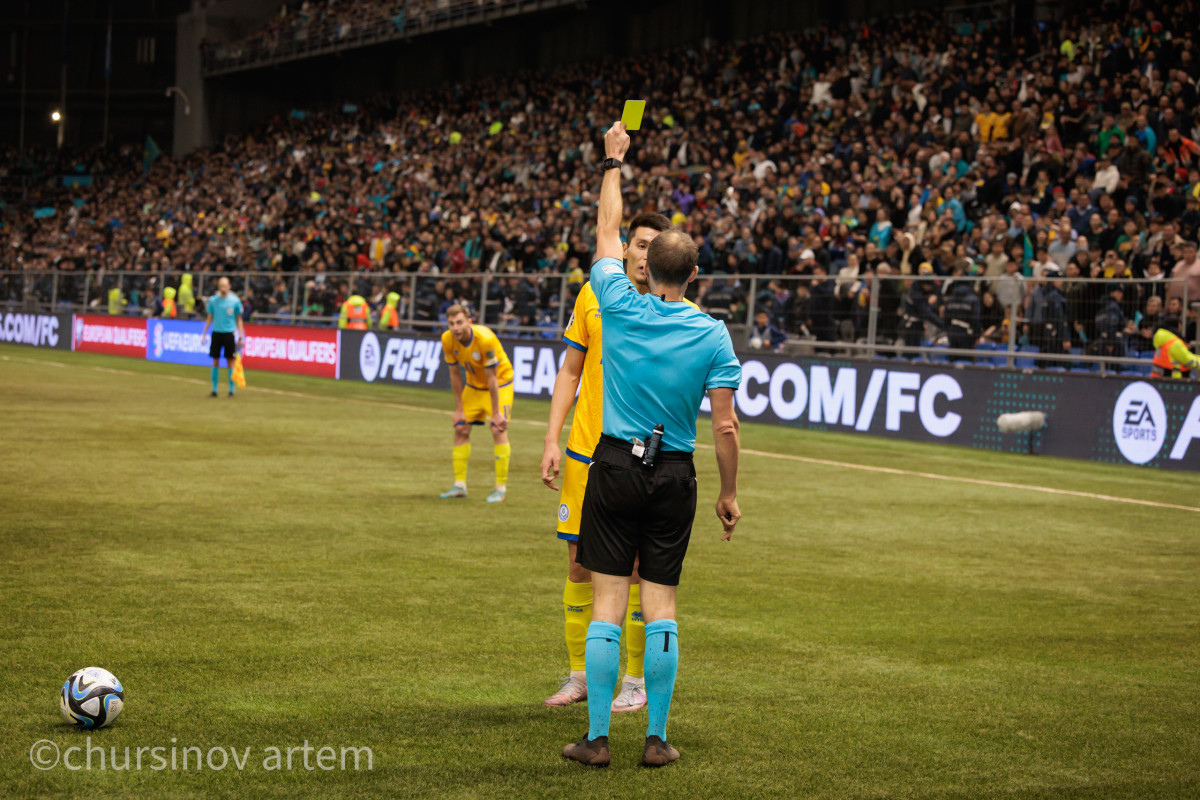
(726, 441)
(608, 217)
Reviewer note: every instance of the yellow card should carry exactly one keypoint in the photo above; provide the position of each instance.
(632, 115)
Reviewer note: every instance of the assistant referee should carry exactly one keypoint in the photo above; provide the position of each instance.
(225, 317)
(660, 356)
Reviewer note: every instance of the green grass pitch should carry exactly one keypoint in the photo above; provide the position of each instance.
(279, 569)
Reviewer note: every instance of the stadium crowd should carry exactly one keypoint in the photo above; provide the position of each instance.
(328, 22)
(911, 148)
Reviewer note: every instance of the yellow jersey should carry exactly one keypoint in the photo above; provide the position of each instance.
(584, 333)
(482, 351)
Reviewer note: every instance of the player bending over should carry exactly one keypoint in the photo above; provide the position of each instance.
(486, 397)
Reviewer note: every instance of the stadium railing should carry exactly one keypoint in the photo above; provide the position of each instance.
(261, 49)
(539, 304)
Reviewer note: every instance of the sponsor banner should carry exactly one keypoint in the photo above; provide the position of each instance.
(36, 330)
(415, 359)
(1126, 420)
(178, 341)
(116, 336)
(299, 351)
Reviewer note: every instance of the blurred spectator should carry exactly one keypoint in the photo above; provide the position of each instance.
(833, 155)
(764, 334)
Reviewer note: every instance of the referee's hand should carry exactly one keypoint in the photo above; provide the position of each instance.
(729, 514)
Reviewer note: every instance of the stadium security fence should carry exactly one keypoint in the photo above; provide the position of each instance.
(860, 322)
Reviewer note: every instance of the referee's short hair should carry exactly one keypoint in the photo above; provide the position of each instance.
(671, 258)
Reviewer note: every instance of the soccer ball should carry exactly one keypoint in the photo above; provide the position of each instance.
(92, 698)
(756, 343)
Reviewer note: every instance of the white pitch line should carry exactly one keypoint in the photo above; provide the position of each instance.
(762, 453)
(955, 479)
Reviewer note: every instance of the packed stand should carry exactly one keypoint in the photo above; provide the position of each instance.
(821, 158)
(311, 23)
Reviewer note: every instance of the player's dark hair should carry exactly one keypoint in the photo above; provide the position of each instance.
(671, 258)
(651, 220)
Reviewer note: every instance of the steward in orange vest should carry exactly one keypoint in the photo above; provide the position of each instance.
(169, 311)
(356, 314)
(1171, 356)
(389, 319)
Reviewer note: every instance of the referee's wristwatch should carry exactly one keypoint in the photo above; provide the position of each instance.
(610, 163)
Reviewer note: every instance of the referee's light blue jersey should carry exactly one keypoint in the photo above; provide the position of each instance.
(225, 312)
(659, 359)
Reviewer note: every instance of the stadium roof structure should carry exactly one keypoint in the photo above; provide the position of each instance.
(250, 54)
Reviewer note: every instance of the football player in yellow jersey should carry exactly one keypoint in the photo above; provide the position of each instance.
(581, 370)
(487, 396)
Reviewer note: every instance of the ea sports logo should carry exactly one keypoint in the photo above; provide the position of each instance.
(368, 357)
(1140, 422)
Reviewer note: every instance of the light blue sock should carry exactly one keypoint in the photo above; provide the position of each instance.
(215, 373)
(662, 662)
(602, 659)
(230, 376)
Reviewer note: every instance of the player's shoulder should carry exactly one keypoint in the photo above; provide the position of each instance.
(485, 334)
(447, 338)
(587, 300)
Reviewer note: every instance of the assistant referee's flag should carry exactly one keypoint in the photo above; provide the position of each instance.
(239, 372)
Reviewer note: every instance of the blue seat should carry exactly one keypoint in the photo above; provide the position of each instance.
(1024, 362)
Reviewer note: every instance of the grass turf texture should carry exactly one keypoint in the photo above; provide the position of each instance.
(279, 568)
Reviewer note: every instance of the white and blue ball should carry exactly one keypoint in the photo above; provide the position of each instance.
(92, 698)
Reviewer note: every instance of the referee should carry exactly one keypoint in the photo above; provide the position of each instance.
(660, 356)
(225, 316)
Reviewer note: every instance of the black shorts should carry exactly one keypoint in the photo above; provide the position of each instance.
(223, 343)
(634, 511)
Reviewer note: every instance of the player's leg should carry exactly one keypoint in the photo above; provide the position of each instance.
(216, 373)
(501, 449)
(460, 456)
(632, 696)
(577, 593)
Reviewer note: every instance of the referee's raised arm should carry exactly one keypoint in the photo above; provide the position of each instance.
(608, 218)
